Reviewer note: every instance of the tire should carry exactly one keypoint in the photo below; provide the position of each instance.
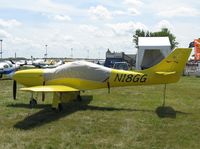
(79, 98)
(33, 103)
(60, 107)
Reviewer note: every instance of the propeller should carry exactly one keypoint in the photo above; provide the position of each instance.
(43, 94)
(14, 89)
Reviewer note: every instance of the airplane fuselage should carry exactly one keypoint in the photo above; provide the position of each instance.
(71, 78)
(7, 69)
(82, 76)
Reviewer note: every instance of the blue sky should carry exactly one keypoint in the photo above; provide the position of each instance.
(90, 27)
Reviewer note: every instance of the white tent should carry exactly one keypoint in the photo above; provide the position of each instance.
(151, 50)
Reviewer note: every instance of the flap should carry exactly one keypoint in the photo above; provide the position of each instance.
(166, 73)
(49, 88)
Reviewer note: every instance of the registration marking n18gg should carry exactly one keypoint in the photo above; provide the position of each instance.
(130, 78)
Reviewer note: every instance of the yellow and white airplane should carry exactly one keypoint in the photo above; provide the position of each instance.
(66, 81)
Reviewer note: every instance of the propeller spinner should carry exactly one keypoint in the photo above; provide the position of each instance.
(14, 89)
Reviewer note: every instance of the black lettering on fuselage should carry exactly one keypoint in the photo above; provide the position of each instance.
(118, 78)
(136, 78)
(143, 78)
(124, 77)
(130, 78)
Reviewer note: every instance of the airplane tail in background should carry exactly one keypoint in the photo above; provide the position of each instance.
(173, 64)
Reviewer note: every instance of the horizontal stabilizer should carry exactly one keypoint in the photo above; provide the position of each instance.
(166, 73)
(49, 88)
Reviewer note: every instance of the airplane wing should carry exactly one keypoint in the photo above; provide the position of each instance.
(50, 88)
(166, 73)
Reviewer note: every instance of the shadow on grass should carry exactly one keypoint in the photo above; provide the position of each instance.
(47, 115)
(23, 105)
(167, 112)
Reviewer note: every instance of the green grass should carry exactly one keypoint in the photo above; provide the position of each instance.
(126, 118)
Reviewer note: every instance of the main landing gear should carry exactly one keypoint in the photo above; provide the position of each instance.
(59, 98)
(32, 102)
(79, 98)
(60, 107)
(164, 94)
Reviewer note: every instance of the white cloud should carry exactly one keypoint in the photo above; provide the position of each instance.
(100, 12)
(4, 34)
(68, 38)
(70, 27)
(57, 17)
(9, 23)
(88, 28)
(133, 3)
(53, 10)
(133, 11)
(95, 31)
(133, 6)
(180, 12)
(186, 32)
(164, 24)
(126, 28)
(62, 18)
(52, 6)
(42, 6)
(119, 12)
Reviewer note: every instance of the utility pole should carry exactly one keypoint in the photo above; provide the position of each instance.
(45, 55)
(99, 54)
(1, 48)
(88, 53)
(71, 52)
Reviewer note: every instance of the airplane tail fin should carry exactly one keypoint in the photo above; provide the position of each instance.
(172, 66)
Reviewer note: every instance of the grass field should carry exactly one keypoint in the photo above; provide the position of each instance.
(126, 118)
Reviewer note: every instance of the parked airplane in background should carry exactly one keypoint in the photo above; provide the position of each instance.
(41, 63)
(66, 81)
(7, 68)
(53, 64)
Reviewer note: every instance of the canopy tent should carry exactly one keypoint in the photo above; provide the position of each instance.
(151, 50)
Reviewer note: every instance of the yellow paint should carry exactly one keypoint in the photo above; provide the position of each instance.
(50, 88)
(168, 70)
(63, 97)
(30, 77)
(77, 83)
(171, 69)
(56, 100)
(166, 73)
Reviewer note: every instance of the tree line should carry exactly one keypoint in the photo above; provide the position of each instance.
(165, 32)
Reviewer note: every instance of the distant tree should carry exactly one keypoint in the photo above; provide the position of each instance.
(138, 33)
(165, 32)
(148, 34)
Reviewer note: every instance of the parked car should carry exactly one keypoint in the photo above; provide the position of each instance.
(121, 65)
